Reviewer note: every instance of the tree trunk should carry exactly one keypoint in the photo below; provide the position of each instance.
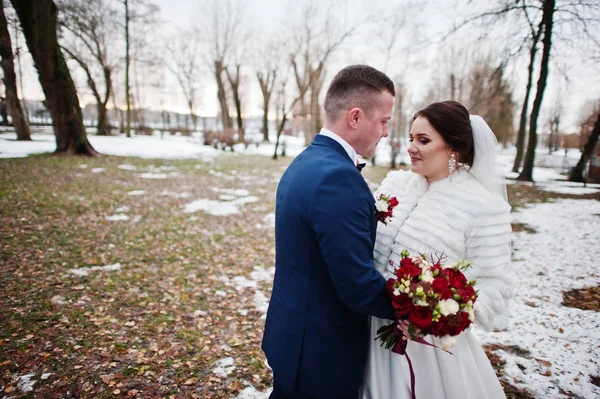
(234, 82)
(548, 18)
(267, 84)
(127, 62)
(38, 22)
(523, 121)
(265, 121)
(103, 127)
(577, 173)
(225, 118)
(315, 108)
(10, 82)
(279, 130)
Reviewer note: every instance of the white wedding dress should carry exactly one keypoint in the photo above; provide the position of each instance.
(462, 220)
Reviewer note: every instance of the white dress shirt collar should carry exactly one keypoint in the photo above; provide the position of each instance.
(349, 150)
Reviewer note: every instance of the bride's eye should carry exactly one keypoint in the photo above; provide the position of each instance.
(410, 140)
(424, 141)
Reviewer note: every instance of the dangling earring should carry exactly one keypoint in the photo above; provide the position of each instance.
(451, 165)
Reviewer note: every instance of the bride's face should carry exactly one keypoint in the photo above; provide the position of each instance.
(429, 153)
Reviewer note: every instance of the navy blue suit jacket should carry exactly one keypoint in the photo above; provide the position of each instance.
(316, 333)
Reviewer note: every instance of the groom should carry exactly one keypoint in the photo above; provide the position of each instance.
(316, 333)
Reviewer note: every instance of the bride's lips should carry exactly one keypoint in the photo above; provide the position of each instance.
(413, 160)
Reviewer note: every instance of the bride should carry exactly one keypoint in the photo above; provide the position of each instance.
(453, 202)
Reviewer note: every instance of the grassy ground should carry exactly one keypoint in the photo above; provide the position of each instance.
(157, 327)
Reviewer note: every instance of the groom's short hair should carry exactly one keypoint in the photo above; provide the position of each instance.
(356, 86)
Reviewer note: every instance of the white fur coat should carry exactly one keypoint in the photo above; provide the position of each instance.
(457, 218)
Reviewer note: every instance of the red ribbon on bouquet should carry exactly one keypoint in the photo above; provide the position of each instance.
(400, 348)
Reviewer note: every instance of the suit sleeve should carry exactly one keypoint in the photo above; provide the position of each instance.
(340, 215)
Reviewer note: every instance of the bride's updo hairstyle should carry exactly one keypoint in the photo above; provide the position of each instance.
(451, 120)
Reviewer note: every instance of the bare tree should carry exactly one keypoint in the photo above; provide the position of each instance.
(315, 37)
(284, 107)
(590, 127)
(222, 29)
(127, 66)
(142, 58)
(490, 96)
(268, 64)
(10, 82)
(577, 15)
(183, 53)
(399, 123)
(548, 20)
(267, 85)
(553, 119)
(234, 78)
(522, 134)
(38, 21)
(91, 24)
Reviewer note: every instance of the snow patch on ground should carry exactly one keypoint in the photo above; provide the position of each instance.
(176, 195)
(566, 187)
(212, 207)
(84, 271)
(224, 367)
(26, 383)
(252, 393)
(561, 255)
(118, 217)
(220, 208)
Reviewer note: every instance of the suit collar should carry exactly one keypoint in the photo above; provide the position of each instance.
(347, 147)
(325, 141)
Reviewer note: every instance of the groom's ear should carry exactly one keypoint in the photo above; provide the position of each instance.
(353, 116)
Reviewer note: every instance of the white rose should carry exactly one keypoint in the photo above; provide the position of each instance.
(381, 205)
(421, 302)
(427, 276)
(448, 306)
(447, 342)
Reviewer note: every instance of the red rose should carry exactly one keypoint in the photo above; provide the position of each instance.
(440, 285)
(393, 202)
(466, 292)
(389, 286)
(455, 278)
(440, 328)
(421, 317)
(465, 322)
(407, 268)
(458, 323)
(402, 304)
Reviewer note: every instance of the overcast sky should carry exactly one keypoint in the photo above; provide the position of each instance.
(417, 58)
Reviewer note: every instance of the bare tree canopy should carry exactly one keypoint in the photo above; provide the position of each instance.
(222, 30)
(184, 63)
(90, 29)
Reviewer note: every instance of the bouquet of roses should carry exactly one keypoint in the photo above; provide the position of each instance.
(384, 207)
(429, 299)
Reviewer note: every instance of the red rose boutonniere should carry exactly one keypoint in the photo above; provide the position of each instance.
(384, 207)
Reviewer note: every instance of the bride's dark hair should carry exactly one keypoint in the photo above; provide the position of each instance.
(451, 120)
